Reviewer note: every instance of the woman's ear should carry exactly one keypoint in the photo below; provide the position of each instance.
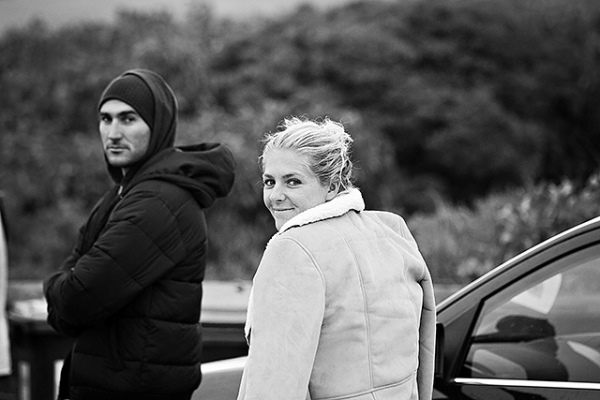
(334, 188)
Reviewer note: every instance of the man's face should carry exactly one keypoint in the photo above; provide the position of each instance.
(125, 135)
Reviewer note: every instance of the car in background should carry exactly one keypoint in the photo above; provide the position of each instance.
(529, 329)
(5, 356)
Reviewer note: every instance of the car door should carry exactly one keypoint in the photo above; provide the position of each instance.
(531, 334)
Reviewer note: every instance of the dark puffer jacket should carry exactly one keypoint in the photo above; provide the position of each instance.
(130, 292)
(133, 300)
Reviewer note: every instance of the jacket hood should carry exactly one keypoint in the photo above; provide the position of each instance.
(164, 126)
(205, 170)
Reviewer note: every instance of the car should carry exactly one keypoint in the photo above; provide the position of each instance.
(5, 359)
(528, 329)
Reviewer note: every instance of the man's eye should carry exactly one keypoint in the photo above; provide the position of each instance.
(105, 119)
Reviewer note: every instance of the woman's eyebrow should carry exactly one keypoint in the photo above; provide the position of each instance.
(286, 176)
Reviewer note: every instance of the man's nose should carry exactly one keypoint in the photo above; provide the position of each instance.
(114, 131)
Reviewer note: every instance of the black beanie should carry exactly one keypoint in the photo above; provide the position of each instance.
(131, 89)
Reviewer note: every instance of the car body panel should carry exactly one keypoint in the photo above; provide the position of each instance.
(221, 379)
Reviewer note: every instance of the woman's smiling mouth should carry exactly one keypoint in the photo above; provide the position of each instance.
(279, 210)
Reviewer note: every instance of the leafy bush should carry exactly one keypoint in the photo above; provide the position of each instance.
(460, 244)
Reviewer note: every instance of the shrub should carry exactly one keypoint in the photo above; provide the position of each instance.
(460, 244)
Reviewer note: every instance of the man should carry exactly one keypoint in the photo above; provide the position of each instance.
(130, 291)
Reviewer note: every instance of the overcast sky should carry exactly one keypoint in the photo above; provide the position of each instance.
(15, 13)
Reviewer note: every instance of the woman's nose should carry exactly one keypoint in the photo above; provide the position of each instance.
(277, 193)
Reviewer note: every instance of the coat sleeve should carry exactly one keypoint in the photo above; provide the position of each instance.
(140, 244)
(54, 319)
(425, 372)
(427, 339)
(285, 317)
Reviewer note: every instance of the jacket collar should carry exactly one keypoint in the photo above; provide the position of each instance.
(341, 204)
(345, 201)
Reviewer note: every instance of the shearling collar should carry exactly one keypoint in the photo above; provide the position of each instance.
(345, 201)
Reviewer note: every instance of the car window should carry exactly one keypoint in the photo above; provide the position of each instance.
(545, 326)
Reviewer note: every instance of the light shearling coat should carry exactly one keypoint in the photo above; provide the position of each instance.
(342, 307)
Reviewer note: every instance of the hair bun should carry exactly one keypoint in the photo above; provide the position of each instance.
(337, 130)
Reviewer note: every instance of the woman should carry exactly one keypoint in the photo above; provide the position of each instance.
(342, 305)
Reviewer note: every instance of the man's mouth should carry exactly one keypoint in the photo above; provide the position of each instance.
(116, 148)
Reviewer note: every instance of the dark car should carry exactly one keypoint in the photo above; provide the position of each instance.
(529, 329)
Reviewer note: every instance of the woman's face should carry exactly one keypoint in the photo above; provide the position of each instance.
(289, 186)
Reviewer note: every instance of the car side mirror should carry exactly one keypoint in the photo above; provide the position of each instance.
(439, 351)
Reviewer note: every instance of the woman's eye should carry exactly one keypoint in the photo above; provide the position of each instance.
(294, 182)
(268, 182)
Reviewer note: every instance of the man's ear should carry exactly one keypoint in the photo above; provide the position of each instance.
(333, 191)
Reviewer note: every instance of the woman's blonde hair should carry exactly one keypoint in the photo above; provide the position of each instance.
(325, 144)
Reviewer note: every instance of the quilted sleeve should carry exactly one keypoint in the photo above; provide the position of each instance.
(139, 245)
